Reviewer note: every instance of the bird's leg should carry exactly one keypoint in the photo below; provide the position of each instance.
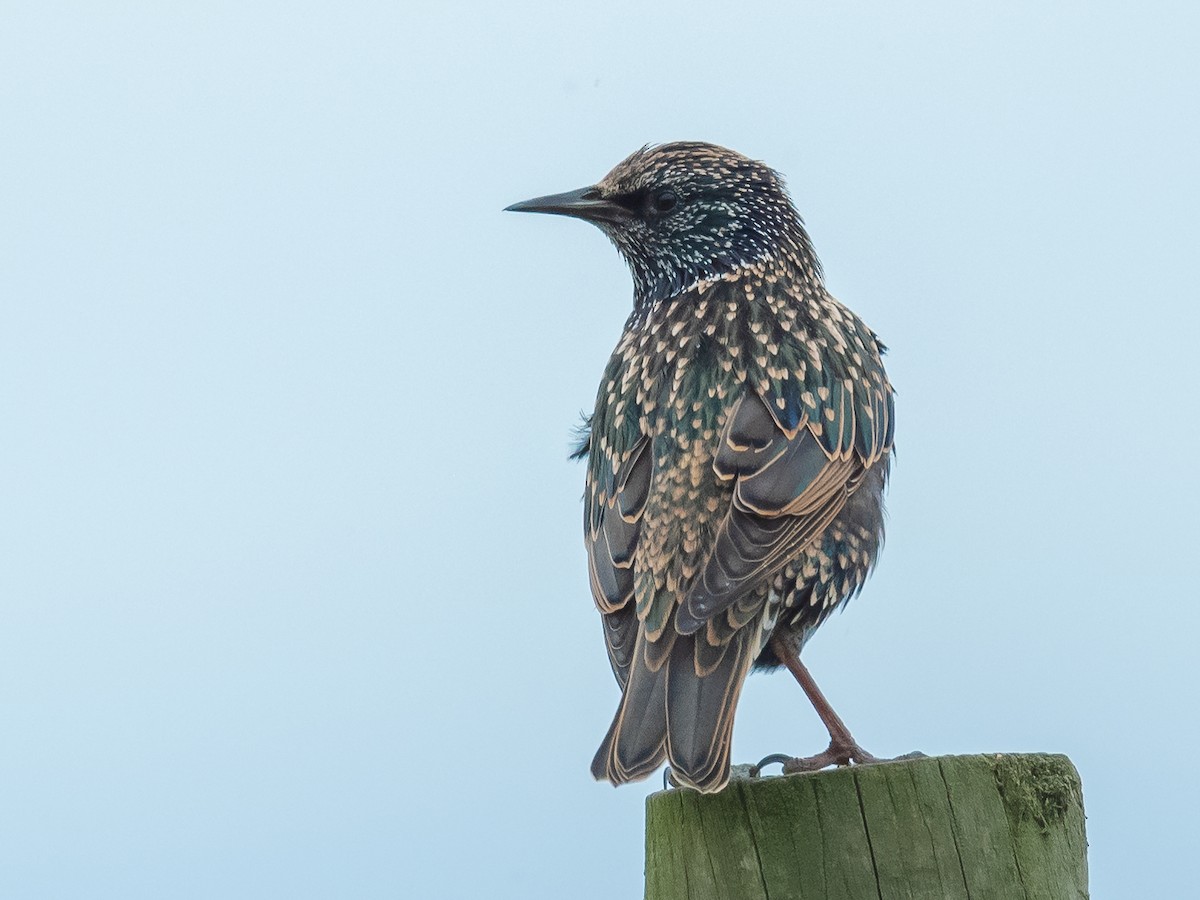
(843, 749)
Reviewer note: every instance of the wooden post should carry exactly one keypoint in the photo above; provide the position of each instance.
(992, 827)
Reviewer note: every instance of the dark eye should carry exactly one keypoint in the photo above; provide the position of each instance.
(664, 201)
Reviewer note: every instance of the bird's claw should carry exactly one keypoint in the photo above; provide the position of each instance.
(756, 769)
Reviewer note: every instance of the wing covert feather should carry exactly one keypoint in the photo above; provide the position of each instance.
(613, 524)
(788, 490)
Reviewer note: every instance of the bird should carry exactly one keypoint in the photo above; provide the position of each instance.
(737, 456)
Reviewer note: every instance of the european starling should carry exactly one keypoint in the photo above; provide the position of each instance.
(736, 458)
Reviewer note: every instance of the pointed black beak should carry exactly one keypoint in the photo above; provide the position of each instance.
(585, 203)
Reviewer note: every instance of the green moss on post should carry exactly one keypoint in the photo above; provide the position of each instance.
(998, 827)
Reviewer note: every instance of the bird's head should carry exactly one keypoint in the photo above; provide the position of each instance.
(683, 213)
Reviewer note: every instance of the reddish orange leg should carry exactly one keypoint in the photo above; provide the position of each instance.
(843, 749)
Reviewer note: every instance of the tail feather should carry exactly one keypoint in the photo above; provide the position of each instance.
(700, 711)
(636, 741)
(676, 713)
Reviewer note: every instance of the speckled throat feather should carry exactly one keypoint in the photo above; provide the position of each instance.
(751, 224)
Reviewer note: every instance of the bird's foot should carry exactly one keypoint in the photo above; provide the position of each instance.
(838, 753)
(834, 755)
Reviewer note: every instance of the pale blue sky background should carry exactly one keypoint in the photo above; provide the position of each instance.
(292, 591)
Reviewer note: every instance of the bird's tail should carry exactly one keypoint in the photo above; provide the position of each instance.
(682, 712)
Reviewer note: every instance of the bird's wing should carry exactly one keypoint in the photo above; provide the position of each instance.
(790, 483)
(613, 510)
